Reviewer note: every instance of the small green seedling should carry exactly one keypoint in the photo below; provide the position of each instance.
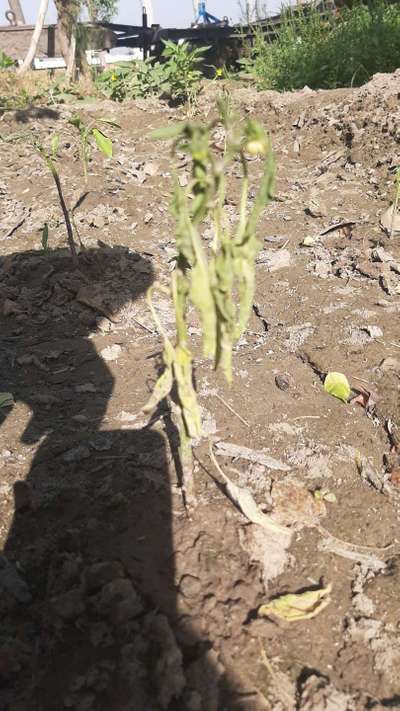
(45, 238)
(218, 282)
(89, 131)
(50, 159)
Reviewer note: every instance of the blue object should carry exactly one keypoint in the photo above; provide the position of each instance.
(204, 17)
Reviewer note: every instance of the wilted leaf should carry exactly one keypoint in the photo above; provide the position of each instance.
(161, 390)
(336, 384)
(104, 144)
(300, 606)
(6, 400)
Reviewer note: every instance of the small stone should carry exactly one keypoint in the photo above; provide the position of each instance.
(111, 352)
(99, 222)
(86, 388)
(99, 574)
(82, 419)
(102, 441)
(127, 417)
(70, 605)
(275, 260)
(77, 454)
(148, 218)
(119, 601)
(103, 324)
(189, 586)
(390, 364)
(379, 254)
(282, 382)
(374, 331)
(117, 500)
(151, 168)
(10, 308)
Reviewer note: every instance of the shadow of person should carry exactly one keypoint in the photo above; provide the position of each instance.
(90, 616)
(88, 561)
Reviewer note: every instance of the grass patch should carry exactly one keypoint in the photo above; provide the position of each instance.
(340, 49)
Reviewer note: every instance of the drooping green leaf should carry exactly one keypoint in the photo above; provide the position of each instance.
(161, 390)
(103, 143)
(336, 384)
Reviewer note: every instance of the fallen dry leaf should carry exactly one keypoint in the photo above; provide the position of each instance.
(365, 398)
(300, 606)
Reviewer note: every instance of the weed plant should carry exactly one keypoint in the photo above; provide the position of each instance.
(176, 77)
(218, 282)
(329, 50)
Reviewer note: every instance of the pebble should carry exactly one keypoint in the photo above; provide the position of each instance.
(111, 352)
(77, 454)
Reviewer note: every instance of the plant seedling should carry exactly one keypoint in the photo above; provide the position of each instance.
(50, 159)
(218, 282)
(88, 131)
(45, 237)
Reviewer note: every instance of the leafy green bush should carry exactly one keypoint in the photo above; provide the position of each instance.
(182, 70)
(132, 80)
(5, 61)
(177, 77)
(339, 49)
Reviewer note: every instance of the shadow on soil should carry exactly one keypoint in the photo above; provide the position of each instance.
(88, 604)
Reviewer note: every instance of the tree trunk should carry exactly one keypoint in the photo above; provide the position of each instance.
(16, 9)
(27, 63)
(67, 21)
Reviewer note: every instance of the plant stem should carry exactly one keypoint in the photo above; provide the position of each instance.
(70, 233)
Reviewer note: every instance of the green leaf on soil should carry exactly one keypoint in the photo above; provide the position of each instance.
(300, 606)
(324, 495)
(336, 384)
(6, 400)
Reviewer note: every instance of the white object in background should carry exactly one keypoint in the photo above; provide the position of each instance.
(49, 63)
(150, 12)
(94, 58)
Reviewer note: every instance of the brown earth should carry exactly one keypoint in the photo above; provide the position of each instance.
(113, 596)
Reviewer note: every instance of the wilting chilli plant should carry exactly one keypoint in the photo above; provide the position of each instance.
(90, 130)
(218, 282)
